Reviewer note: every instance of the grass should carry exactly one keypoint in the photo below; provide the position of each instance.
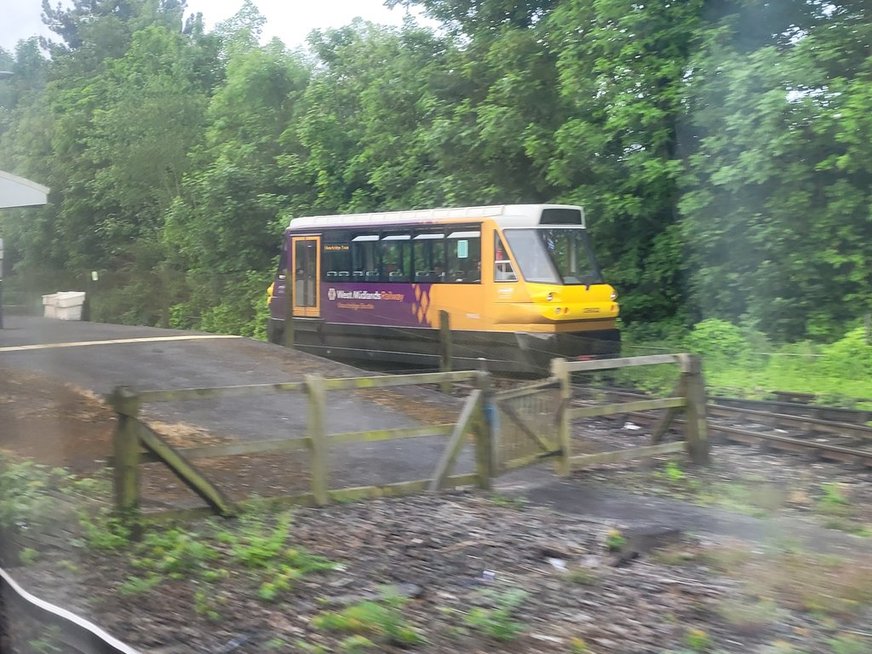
(741, 360)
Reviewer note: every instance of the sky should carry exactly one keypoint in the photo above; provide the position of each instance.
(290, 20)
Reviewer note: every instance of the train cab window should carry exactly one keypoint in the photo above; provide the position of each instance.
(428, 253)
(503, 270)
(396, 257)
(464, 257)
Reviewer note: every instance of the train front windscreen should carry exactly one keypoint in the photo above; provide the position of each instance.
(554, 256)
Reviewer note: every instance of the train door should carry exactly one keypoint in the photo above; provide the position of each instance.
(305, 276)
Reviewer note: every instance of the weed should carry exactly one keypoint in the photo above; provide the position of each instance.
(698, 640)
(215, 575)
(257, 547)
(204, 604)
(381, 619)
(103, 531)
(497, 622)
(615, 540)
(673, 472)
(138, 585)
(174, 552)
(833, 501)
(28, 555)
(304, 646)
(578, 646)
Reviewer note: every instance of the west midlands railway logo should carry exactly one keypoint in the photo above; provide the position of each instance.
(331, 294)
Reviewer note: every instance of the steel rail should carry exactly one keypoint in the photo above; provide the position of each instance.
(778, 441)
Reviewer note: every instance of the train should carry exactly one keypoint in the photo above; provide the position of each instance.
(513, 285)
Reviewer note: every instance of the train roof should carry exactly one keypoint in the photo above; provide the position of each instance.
(505, 215)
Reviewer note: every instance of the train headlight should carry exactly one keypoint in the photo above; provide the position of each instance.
(614, 296)
(557, 310)
(549, 297)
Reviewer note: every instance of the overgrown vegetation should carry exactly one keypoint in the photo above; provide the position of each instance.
(739, 360)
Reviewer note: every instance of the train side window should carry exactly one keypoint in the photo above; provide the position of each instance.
(428, 250)
(503, 270)
(396, 257)
(336, 257)
(464, 257)
(364, 256)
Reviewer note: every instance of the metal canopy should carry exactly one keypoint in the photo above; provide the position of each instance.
(19, 192)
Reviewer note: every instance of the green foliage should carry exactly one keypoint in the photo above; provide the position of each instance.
(847, 644)
(28, 555)
(698, 640)
(716, 339)
(256, 546)
(615, 540)
(739, 360)
(380, 619)
(23, 492)
(498, 621)
(139, 585)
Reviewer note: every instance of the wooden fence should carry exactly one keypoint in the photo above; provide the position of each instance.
(688, 396)
(136, 443)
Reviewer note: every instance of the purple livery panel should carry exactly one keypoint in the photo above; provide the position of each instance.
(397, 305)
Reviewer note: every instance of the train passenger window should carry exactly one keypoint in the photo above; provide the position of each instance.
(396, 257)
(429, 257)
(503, 270)
(464, 257)
(336, 257)
(364, 255)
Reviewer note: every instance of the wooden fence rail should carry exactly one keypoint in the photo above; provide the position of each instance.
(688, 396)
(136, 443)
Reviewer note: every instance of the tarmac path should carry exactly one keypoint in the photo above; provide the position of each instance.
(99, 357)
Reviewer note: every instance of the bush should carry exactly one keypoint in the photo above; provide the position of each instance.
(849, 357)
(717, 339)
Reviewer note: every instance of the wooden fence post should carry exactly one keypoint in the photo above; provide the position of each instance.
(126, 404)
(446, 349)
(560, 370)
(318, 446)
(484, 432)
(696, 427)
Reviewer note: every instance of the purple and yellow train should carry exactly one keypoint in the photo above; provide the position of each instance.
(520, 285)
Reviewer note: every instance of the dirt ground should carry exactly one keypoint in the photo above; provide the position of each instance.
(455, 572)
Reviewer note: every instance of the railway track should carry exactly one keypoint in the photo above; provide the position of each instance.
(775, 425)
